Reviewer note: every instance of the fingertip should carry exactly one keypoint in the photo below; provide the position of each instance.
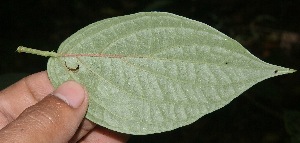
(71, 93)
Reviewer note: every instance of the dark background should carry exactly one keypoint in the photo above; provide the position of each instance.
(269, 29)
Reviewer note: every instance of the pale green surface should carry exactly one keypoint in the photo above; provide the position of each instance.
(157, 71)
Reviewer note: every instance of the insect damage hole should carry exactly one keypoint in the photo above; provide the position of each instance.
(72, 65)
(73, 69)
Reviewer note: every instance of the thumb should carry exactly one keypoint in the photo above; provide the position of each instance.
(53, 119)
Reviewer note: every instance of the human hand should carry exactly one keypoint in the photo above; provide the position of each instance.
(31, 111)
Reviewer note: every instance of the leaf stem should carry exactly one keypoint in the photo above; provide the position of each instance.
(22, 49)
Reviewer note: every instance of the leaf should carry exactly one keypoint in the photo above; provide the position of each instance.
(153, 72)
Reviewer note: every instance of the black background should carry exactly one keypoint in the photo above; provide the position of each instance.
(269, 29)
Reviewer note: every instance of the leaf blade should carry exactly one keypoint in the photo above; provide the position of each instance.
(169, 71)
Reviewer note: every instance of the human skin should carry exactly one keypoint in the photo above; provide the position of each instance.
(31, 110)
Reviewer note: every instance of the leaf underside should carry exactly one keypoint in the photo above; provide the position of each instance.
(153, 72)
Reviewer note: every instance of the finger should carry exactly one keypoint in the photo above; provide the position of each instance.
(54, 119)
(27, 92)
(85, 127)
(24, 93)
(104, 135)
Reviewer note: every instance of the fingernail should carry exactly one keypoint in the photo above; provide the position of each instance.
(70, 92)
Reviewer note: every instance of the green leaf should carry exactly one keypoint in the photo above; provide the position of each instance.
(153, 72)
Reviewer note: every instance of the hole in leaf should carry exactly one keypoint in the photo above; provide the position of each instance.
(276, 71)
(76, 69)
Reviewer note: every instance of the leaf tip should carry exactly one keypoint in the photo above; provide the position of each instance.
(285, 71)
(292, 71)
